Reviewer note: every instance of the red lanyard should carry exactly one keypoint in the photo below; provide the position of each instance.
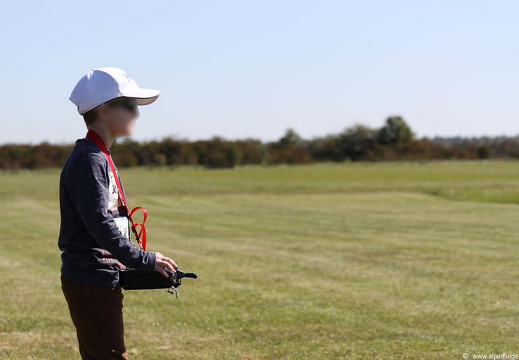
(141, 235)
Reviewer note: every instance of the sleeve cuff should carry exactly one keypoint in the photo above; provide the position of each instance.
(151, 260)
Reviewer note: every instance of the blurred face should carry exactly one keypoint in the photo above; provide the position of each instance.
(119, 115)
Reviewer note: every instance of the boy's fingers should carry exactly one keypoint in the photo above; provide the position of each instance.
(162, 269)
(163, 272)
(169, 262)
(166, 264)
(170, 267)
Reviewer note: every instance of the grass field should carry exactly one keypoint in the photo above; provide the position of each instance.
(402, 260)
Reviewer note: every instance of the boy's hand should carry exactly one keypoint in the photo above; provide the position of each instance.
(162, 263)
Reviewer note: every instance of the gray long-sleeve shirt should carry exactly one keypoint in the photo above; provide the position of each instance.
(94, 242)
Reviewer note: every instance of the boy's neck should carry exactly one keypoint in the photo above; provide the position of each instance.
(104, 133)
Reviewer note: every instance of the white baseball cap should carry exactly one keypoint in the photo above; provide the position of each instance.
(103, 84)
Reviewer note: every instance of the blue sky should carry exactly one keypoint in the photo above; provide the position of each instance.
(242, 69)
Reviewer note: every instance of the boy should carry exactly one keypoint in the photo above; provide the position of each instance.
(95, 230)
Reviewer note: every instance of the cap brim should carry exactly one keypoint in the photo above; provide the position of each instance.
(143, 96)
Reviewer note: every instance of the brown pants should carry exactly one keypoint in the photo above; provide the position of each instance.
(97, 314)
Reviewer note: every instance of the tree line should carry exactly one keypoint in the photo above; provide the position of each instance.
(394, 140)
